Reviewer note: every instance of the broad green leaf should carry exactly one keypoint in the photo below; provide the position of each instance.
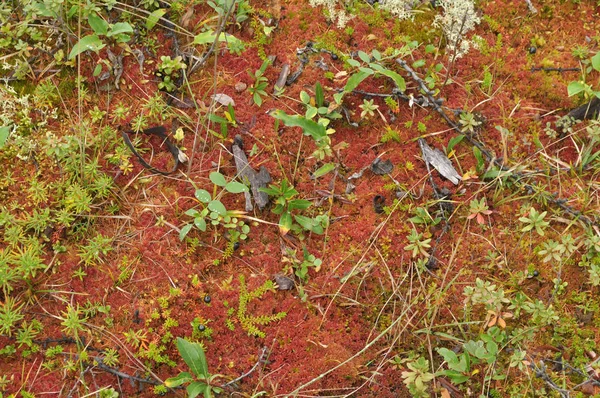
(304, 97)
(326, 168)
(200, 223)
(418, 63)
(376, 54)
(596, 62)
(91, 42)
(184, 231)
(193, 355)
(4, 133)
(353, 62)
(192, 213)
(99, 25)
(399, 80)
(236, 187)
(196, 388)
(309, 224)
(209, 36)
(319, 96)
(311, 112)
(429, 48)
(454, 141)
(356, 79)
(202, 195)
(181, 378)
(364, 57)
(218, 178)
(449, 356)
(218, 207)
(119, 28)
(299, 204)
(153, 18)
(575, 88)
(309, 127)
(269, 191)
(285, 222)
(97, 70)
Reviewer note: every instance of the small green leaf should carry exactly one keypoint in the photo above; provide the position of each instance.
(596, 62)
(353, 62)
(181, 378)
(218, 179)
(376, 54)
(364, 57)
(299, 204)
(4, 133)
(119, 28)
(304, 97)
(91, 42)
(399, 80)
(356, 79)
(200, 223)
(309, 224)
(311, 112)
(193, 355)
(454, 141)
(153, 18)
(217, 207)
(236, 187)
(202, 195)
(97, 70)
(99, 25)
(309, 127)
(319, 96)
(575, 88)
(429, 48)
(326, 168)
(285, 222)
(184, 231)
(419, 63)
(196, 388)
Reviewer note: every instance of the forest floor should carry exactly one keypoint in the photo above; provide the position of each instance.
(432, 226)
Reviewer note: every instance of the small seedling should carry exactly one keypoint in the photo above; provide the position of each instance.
(200, 381)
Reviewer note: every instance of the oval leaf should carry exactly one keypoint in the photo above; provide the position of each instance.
(285, 223)
(218, 178)
(153, 18)
(184, 231)
(315, 130)
(575, 88)
(181, 378)
(202, 195)
(119, 28)
(326, 168)
(4, 133)
(99, 25)
(200, 223)
(91, 42)
(196, 388)
(217, 207)
(596, 61)
(236, 187)
(193, 355)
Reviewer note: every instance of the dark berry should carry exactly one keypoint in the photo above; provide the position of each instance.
(201, 328)
(532, 50)
(207, 299)
(334, 57)
(536, 273)
(236, 245)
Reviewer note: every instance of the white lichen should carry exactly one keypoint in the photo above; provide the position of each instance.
(338, 16)
(459, 18)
